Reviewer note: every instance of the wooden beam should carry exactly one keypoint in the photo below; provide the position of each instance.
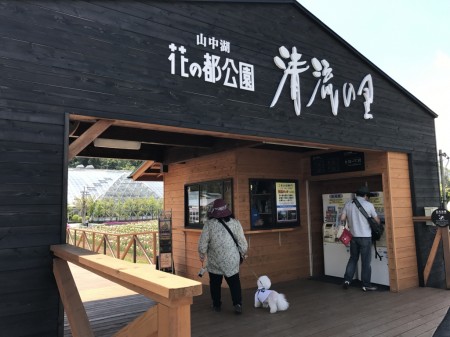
(146, 325)
(432, 256)
(162, 287)
(421, 218)
(88, 137)
(76, 314)
(446, 247)
(141, 169)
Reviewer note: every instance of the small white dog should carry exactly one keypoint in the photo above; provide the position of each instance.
(269, 298)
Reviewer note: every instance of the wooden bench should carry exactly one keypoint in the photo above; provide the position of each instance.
(171, 317)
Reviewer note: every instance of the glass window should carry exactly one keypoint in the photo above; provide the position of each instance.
(273, 203)
(200, 196)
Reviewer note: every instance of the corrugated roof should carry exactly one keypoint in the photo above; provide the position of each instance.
(100, 183)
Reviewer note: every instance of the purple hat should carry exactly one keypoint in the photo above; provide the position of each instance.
(219, 209)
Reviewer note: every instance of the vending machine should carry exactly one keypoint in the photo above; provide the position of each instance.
(335, 253)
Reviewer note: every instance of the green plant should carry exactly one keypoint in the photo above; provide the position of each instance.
(76, 218)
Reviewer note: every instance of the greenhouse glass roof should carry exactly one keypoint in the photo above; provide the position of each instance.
(99, 184)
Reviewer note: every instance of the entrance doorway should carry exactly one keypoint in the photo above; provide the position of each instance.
(316, 190)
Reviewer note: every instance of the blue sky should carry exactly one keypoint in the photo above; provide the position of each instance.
(408, 39)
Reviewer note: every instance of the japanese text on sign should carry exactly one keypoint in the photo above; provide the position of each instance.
(324, 73)
(285, 193)
(240, 75)
(215, 68)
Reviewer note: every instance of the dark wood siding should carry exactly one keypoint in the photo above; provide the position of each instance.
(110, 60)
(31, 197)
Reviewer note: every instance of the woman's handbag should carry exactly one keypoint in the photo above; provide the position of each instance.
(346, 236)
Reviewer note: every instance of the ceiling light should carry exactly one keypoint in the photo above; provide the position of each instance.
(117, 144)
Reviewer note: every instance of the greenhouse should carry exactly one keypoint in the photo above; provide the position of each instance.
(110, 195)
(115, 184)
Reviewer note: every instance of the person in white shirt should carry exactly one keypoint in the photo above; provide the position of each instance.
(361, 242)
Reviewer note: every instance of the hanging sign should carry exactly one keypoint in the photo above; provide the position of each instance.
(165, 262)
(337, 162)
(440, 217)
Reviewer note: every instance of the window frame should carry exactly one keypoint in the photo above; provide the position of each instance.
(270, 195)
(227, 194)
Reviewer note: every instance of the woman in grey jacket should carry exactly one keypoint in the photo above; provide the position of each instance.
(223, 256)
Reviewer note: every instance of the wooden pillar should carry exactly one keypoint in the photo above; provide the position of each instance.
(174, 321)
(76, 315)
(446, 247)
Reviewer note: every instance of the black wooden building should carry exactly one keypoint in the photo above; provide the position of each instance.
(185, 79)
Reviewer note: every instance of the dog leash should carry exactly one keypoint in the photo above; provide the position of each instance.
(248, 265)
(250, 268)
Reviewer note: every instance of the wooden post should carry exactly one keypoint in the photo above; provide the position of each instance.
(441, 233)
(76, 315)
(174, 321)
(154, 248)
(446, 247)
(431, 257)
(118, 246)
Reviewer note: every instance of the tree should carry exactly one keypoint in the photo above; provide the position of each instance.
(106, 163)
(115, 209)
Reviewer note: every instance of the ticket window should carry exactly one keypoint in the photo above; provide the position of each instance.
(273, 203)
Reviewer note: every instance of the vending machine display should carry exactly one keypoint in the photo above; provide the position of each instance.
(329, 232)
(335, 253)
(332, 206)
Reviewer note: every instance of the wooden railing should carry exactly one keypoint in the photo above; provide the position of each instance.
(442, 234)
(96, 241)
(171, 317)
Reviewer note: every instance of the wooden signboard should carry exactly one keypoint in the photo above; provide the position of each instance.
(165, 259)
(337, 162)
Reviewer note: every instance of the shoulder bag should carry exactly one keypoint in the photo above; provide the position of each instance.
(241, 259)
(376, 228)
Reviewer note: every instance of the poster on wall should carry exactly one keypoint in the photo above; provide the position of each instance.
(286, 201)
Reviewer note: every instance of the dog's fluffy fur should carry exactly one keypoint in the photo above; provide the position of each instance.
(269, 298)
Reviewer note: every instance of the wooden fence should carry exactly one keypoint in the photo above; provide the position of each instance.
(116, 245)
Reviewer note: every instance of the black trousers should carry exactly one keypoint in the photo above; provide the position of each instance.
(215, 285)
